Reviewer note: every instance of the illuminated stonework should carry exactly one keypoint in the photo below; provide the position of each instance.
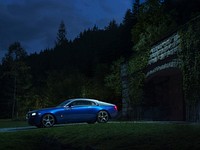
(163, 55)
(172, 64)
(163, 86)
(166, 48)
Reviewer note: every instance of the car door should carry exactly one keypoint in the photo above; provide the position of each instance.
(87, 110)
(80, 111)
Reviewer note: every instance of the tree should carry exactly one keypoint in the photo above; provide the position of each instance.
(112, 26)
(125, 33)
(16, 75)
(153, 22)
(184, 9)
(113, 80)
(136, 7)
(61, 35)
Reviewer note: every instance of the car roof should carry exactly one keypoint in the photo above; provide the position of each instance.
(89, 99)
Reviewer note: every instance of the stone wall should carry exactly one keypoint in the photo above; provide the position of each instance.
(125, 90)
(163, 54)
(163, 96)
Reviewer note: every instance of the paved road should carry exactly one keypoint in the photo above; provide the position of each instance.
(17, 129)
(30, 128)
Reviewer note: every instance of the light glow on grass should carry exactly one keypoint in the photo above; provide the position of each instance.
(120, 136)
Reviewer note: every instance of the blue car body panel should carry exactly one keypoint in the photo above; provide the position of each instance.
(65, 113)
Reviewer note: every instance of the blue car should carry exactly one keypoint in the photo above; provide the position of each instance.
(73, 111)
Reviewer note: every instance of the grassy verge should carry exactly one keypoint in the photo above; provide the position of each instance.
(8, 123)
(121, 136)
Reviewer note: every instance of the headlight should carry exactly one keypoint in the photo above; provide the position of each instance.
(33, 114)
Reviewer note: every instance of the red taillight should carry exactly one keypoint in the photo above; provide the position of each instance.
(115, 107)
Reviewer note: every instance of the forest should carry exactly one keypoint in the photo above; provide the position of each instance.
(89, 65)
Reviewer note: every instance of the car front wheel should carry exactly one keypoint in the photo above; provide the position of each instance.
(102, 116)
(48, 120)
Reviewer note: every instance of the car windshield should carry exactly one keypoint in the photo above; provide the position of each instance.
(64, 103)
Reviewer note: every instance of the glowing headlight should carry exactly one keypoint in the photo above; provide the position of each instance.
(33, 114)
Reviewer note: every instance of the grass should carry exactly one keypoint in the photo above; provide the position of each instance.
(8, 123)
(121, 136)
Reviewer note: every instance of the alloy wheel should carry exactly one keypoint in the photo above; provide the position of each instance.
(102, 117)
(48, 120)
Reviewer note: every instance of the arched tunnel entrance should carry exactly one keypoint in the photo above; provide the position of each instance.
(163, 98)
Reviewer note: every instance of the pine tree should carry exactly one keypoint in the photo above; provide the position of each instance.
(136, 7)
(61, 35)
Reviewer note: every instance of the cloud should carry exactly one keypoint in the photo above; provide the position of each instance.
(34, 23)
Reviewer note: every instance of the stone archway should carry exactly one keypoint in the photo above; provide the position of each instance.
(163, 98)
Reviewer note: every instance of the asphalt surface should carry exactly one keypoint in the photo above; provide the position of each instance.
(17, 129)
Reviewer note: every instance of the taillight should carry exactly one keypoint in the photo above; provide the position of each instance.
(115, 107)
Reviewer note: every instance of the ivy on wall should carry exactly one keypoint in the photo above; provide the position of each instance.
(190, 66)
(153, 23)
(136, 67)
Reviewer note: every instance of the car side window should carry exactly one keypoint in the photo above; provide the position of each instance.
(77, 103)
(83, 103)
(89, 103)
(93, 103)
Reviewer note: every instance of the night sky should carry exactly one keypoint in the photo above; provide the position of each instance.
(34, 23)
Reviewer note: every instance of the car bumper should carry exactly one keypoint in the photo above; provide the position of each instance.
(34, 121)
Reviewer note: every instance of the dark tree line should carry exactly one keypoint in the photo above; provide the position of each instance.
(77, 68)
(70, 69)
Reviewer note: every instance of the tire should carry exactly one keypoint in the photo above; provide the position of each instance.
(102, 116)
(48, 120)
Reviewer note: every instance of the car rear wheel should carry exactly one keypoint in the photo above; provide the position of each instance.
(102, 116)
(48, 120)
